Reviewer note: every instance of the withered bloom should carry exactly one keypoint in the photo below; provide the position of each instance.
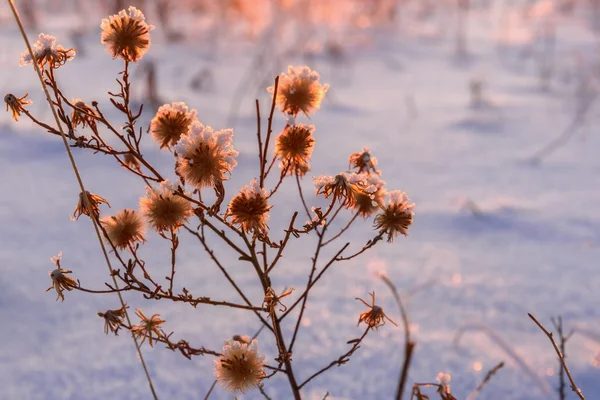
(205, 156)
(396, 217)
(47, 52)
(369, 203)
(375, 317)
(124, 228)
(82, 207)
(60, 281)
(83, 115)
(299, 90)
(272, 299)
(294, 147)
(240, 367)
(250, 208)
(16, 104)
(344, 187)
(364, 161)
(131, 161)
(148, 327)
(126, 34)
(170, 123)
(164, 210)
(113, 319)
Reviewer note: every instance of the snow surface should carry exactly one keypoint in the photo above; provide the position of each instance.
(495, 235)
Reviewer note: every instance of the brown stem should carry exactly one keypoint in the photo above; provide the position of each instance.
(574, 387)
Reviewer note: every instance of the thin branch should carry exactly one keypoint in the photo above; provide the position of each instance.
(486, 380)
(574, 387)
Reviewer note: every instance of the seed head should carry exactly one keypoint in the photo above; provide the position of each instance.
(299, 90)
(131, 161)
(294, 147)
(83, 115)
(164, 210)
(148, 327)
(16, 104)
(124, 229)
(344, 187)
(126, 34)
(60, 281)
(113, 319)
(374, 317)
(250, 208)
(396, 217)
(240, 367)
(170, 123)
(369, 203)
(364, 161)
(46, 52)
(82, 207)
(205, 156)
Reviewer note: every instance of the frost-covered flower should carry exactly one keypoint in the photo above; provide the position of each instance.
(250, 208)
(164, 210)
(444, 381)
(82, 207)
(205, 156)
(126, 34)
(16, 104)
(364, 161)
(369, 203)
(46, 51)
(344, 187)
(240, 367)
(299, 90)
(124, 228)
(294, 147)
(60, 281)
(83, 115)
(396, 217)
(147, 327)
(113, 319)
(170, 123)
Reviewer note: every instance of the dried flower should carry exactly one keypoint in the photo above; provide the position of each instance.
(369, 203)
(240, 367)
(113, 319)
(294, 147)
(46, 51)
(344, 187)
(375, 317)
(126, 34)
(83, 115)
(60, 281)
(250, 208)
(272, 299)
(396, 217)
(205, 156)
(170, 123)
(131, 161)
(16, 104)
(147, 327)
(82, 208)
(444, 381)
(299, 90)
(124, 229)
(364, 161)
(244, 339)
(163, 209)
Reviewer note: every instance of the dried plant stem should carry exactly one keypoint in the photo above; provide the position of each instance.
(574, 387)
(409, 345)
(81, 186)
(558, 325)
(342, 359)
(486, 380)
(269, 131)
(341, 232)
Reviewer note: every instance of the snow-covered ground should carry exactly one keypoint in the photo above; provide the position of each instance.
(495, 235)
